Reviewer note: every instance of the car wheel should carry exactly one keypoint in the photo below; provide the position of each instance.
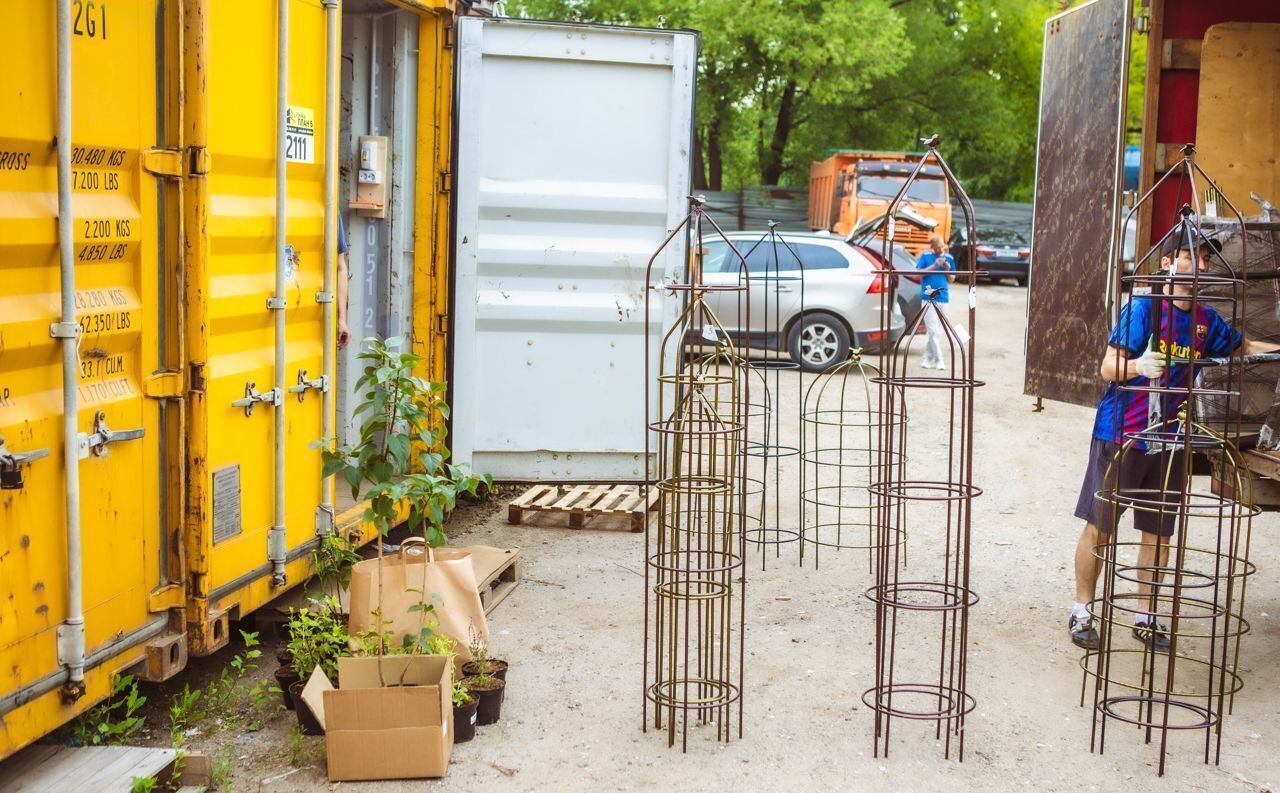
(818, 341)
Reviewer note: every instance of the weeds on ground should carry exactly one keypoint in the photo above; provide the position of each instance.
(220, 778)
(296, 752)
(115, 720)
(139, 784)
(192, 706)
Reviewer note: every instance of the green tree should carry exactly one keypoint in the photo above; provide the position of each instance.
(782, 82)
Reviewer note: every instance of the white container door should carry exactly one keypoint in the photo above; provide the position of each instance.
(573, 164)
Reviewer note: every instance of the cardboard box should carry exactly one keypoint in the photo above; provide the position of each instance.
(392, 718)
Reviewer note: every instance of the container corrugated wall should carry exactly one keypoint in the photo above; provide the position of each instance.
(120, 256)
(231, 534)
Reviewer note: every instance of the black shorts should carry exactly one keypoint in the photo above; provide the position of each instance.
(1138, 471)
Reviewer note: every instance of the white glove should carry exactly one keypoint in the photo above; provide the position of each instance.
(1151, 365)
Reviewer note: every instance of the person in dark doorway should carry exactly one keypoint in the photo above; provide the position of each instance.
(343, 275)
(1136, 355)
(936, 263)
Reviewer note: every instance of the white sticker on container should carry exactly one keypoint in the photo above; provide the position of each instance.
(973, 297)
(299, 134)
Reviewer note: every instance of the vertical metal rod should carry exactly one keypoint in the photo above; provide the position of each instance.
(276, 537)
(68, 332)
(330, 238)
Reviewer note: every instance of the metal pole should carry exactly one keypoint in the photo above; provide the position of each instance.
(276, 542)
(325, 517)
(71, 635)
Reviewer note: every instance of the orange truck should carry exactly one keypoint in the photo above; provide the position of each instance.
(852, 188)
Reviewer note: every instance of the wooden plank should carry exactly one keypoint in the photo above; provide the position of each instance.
(527, 496)
(1238, 123)
(101, 769)
(56, 770)
(571, 497)
(1181, 54)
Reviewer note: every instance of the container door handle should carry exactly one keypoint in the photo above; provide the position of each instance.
(11, 465)
(252, 396)
(103, 436)
(304, 385)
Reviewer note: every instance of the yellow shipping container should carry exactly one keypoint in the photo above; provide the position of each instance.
(120, 107)
(190, 513)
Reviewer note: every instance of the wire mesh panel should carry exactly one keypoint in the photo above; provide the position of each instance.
(695, 557)
(922, 620)
(1180, 589)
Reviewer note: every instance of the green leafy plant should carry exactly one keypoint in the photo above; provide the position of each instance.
(220, 777)
(296, 752)
(115, 720)
(460, 694)
(318, 637)
(140, 784)
(184, 710)
(333, 560)
(221, 690)
(401, 457)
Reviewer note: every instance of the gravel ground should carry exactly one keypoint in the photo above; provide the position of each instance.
(572, 631)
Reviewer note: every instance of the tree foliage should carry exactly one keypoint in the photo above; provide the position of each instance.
(782, 81)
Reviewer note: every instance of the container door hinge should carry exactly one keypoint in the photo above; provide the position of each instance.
(200, 162)
(446, 181)
(164, 385)
(324, 520)
(167, 597)
(11, 465)
(304, 385)
(103, 436)
(163, 162)
(252, 396)
(442, 323)
(447, 40)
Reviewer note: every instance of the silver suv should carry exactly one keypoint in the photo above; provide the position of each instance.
(841, 295)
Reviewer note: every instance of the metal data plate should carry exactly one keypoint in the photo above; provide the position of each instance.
(1082, 107)
(226, 503)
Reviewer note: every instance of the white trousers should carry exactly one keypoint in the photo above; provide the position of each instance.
(936, 342)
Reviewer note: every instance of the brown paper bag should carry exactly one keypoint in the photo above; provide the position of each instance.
(443, 577)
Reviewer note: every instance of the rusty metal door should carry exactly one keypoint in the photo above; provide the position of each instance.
(1078, 177)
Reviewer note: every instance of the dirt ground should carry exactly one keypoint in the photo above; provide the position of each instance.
(572, 631)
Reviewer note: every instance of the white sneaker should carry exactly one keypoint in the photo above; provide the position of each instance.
(926, 364)
(939, 366)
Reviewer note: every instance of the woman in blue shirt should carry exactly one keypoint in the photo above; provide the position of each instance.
(936, 262)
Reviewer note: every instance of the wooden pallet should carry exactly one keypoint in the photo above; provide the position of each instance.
(584, 502)
(498, 571)
(101, 769)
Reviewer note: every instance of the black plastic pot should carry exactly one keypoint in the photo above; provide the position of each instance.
(306, 720)
(497, 668)
(284, 656)
(286, 677)
(464, 721)
(490, 699)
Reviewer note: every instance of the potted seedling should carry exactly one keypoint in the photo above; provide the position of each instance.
(317, 637)
(464, 713)
(488, 690)
(481, 663)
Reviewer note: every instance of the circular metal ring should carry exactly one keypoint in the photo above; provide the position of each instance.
(1207, 718)
(952, 703)
(949, 597)
(664, 692)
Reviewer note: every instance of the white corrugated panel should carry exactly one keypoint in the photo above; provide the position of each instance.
(573, 165)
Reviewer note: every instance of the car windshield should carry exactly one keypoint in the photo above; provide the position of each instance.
(932, 191)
